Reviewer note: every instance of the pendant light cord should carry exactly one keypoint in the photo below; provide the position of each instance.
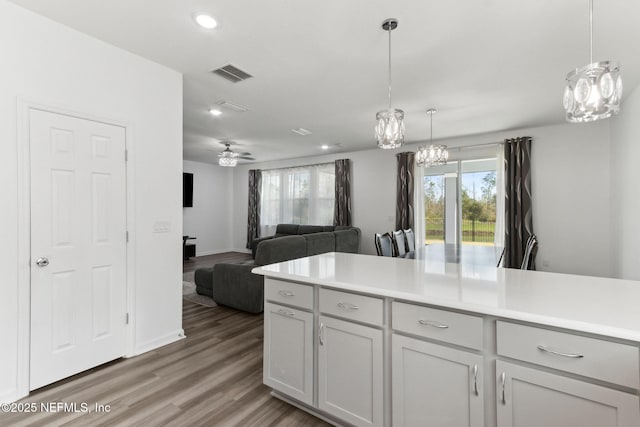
(431, 128)
(590, 31)
(389, 66)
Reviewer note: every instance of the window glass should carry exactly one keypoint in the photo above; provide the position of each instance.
(301, 195)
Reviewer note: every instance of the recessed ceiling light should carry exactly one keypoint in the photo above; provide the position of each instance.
(301, 131)
(324, 147)
(215, 112)
(205, 21)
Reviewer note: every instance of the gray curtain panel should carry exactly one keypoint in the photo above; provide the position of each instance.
(518, 218)
(342, 207)
(253, 217)
(404, 191)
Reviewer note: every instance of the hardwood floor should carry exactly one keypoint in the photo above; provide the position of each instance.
(211, 378)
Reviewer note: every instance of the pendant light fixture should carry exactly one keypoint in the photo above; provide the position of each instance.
(390, 127)
(433, 155)
(594, 91)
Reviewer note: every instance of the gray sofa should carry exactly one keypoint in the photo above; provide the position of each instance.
(234, 285)
(283, 230)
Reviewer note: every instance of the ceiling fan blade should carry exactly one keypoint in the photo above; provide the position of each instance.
(246, 158)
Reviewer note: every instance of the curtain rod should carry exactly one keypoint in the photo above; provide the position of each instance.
(300, 166)
(487, 144)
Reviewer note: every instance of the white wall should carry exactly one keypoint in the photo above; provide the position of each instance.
(570, 184)
(209, 218)
(625, 176)
(50, 64)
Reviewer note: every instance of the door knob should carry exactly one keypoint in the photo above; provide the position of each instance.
(42, 262)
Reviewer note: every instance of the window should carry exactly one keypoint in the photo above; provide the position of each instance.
(300, 195)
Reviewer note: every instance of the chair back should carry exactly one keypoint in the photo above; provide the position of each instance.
(383, 244)
(399, 248)
(410, 240)
(530, 251)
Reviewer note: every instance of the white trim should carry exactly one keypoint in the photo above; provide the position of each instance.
(24, 233)
(159, 342)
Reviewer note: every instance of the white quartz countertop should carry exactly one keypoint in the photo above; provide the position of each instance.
(603, 306)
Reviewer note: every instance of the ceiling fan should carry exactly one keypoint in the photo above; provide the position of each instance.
(229, 158)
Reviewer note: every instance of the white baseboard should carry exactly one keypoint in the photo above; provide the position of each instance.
(9, 396)
(243, 250)
(158, 342)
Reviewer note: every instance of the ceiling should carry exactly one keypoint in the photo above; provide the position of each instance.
(486, 65)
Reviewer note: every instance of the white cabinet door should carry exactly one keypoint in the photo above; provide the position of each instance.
(435, 385)
(531, 398)
(288, 351)
(350, 372)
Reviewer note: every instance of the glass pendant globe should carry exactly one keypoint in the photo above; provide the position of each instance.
(593, 92)
(390, 128)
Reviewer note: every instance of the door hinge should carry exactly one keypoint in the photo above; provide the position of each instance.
(126, 234)
(126, 155)
(126, 319)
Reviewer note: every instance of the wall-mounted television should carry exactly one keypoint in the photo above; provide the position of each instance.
(187, 190)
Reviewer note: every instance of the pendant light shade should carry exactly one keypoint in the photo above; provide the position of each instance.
(389, 129)
(594, 91)
(433, 155)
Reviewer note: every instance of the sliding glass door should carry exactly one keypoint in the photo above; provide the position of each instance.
(460, 202)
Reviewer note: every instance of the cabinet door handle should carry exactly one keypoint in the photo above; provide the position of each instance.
(503, 381)
(475, 379)
(347, 306)
(284, 312)
(433, 324)
(320, 339)
(559, 353)
(285, 293)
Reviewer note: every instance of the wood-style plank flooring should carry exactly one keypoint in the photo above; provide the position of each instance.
(211, 378)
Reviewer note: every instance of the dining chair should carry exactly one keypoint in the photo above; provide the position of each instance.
(384, 246)
(399, 248)
(410, 240)
(531, 249)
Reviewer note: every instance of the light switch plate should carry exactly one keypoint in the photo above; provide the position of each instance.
(161, 227)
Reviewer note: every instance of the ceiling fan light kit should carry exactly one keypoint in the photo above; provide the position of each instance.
(228, 158)
(389, 128)
(594, 91)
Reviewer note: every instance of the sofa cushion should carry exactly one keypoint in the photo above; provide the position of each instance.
(286, 229)
(347, 240)
(319, 243)
(281, 249)
(308, 229)
(328, 227)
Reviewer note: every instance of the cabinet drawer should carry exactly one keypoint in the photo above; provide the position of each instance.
(351, 306)
(289, 293)
(591, 357)
(443, 325)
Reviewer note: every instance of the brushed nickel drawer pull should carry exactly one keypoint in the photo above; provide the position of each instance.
(347, 306)
(286, 293)
(559, 353)
(433, 324)
(475, 379)
(320, 331)
(503, 380)
(284, 312)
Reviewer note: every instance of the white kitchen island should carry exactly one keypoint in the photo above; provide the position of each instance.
(377, 341)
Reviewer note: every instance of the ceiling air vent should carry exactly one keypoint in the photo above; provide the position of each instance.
(231, 73)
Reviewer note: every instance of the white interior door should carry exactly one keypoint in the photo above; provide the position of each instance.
(78, 245)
